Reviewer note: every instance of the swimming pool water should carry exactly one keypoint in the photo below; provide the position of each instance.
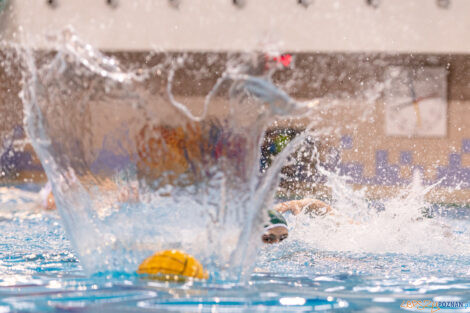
(39, 273)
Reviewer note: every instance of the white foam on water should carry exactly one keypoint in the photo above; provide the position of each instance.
(400, 226)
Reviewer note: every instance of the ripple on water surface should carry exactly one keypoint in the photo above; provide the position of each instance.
(39, 272)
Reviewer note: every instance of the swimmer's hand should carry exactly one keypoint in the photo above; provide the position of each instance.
(46, 197)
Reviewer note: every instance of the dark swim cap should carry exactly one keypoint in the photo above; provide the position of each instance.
(275, 219)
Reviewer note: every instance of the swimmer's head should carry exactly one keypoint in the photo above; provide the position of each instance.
(276, 230)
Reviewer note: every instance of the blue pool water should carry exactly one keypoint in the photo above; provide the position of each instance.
(39, 273)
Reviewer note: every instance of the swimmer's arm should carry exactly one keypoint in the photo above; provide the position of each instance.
(314, 206)
(288, 206)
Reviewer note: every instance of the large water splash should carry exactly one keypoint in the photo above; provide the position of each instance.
(405, 224)
(134, 171)
(137, 168)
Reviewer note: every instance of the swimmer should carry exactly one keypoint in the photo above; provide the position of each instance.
(276, 230)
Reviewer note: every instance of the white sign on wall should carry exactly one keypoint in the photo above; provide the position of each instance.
(416, 101)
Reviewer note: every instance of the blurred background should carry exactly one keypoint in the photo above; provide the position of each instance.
(398, 77)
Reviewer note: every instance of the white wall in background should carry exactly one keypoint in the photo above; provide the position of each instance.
(326, 25)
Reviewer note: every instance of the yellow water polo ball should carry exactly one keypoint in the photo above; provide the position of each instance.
(172, 265)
